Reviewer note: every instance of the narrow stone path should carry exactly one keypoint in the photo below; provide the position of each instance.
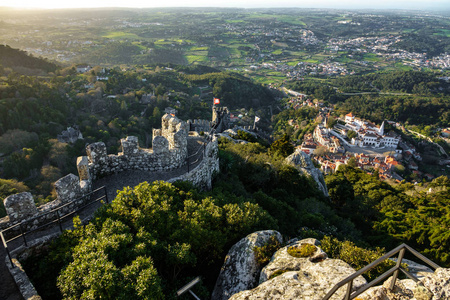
(113, 183)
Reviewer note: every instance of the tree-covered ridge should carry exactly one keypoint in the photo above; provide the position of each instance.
(413, 82)
(34, 110)
(413, 110)
(169, 233)
(415, 98)
(235, 90)
(418, 216)
(425, 41)
(17, 59)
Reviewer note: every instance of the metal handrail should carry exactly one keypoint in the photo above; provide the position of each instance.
(23, 232)
(394, 270)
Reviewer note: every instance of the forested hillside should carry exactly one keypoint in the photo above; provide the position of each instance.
(415, 98)
(35, 109)
(154, 238)
(20, 61)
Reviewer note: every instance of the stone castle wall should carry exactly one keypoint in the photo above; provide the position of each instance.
(202, 174)
(199, 125)
(169, 152)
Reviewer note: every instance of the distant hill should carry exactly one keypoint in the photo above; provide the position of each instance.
(19, 60)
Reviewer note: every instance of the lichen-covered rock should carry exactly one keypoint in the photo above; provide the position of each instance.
(240, 270)
(438, 283)
(282, 261)
(302, 162)
(130, 145)
(432, 286)
(68, 188)
(83, 168)
(96, 153)
(312, 282)
(414, 268)
(403, 290)
(20, 206)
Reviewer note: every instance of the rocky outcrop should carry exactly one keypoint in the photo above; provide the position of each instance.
(312, 282)
(414, 268)
(438, 283)
(240, 271)
(289, 277)
(282, 261)
(302, 162)
(432, 286)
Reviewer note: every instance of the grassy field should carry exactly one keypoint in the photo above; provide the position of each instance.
(372, 57)
(196, 59)
(443, 32)
(121, 35)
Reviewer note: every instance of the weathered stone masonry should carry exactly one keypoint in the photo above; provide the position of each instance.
(169, 152)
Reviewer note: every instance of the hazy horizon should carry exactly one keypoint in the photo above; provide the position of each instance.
(344, 4)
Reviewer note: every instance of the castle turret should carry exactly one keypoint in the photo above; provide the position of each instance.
(220, 119)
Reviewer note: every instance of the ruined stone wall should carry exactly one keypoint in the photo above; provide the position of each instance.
(199, 125)
(201, 175)
(169, 152)
(220, 119)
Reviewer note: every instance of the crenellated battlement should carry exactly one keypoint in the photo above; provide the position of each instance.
(169, 152)
(199, 125)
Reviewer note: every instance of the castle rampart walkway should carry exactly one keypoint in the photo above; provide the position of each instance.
(113, 183)
(132, 178)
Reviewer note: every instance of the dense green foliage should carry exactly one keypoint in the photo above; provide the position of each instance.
(282, 146)
(20, 60)
(415, 98)
(148, 241)
(302, 117)
(407, 109)
(234, 90)
(264, 253)
(387, 215)
(355, 256)
(425, 41)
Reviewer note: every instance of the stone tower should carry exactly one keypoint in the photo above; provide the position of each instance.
(220, 119)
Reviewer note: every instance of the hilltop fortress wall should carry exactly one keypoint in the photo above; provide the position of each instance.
(169, 152)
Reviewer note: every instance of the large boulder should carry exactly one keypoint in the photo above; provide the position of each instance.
(312, 282)
(241, 271)
(431, 286)
(282, 261)
(310, 277)
(438, 283)
(302, 162)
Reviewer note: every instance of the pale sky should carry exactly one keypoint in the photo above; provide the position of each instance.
(357, 4)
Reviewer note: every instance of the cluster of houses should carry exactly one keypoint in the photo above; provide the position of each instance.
(385, 165)
(368, 134)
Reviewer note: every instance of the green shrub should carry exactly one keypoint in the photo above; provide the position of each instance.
(355, 256)
(304, 250)
(264, 253)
